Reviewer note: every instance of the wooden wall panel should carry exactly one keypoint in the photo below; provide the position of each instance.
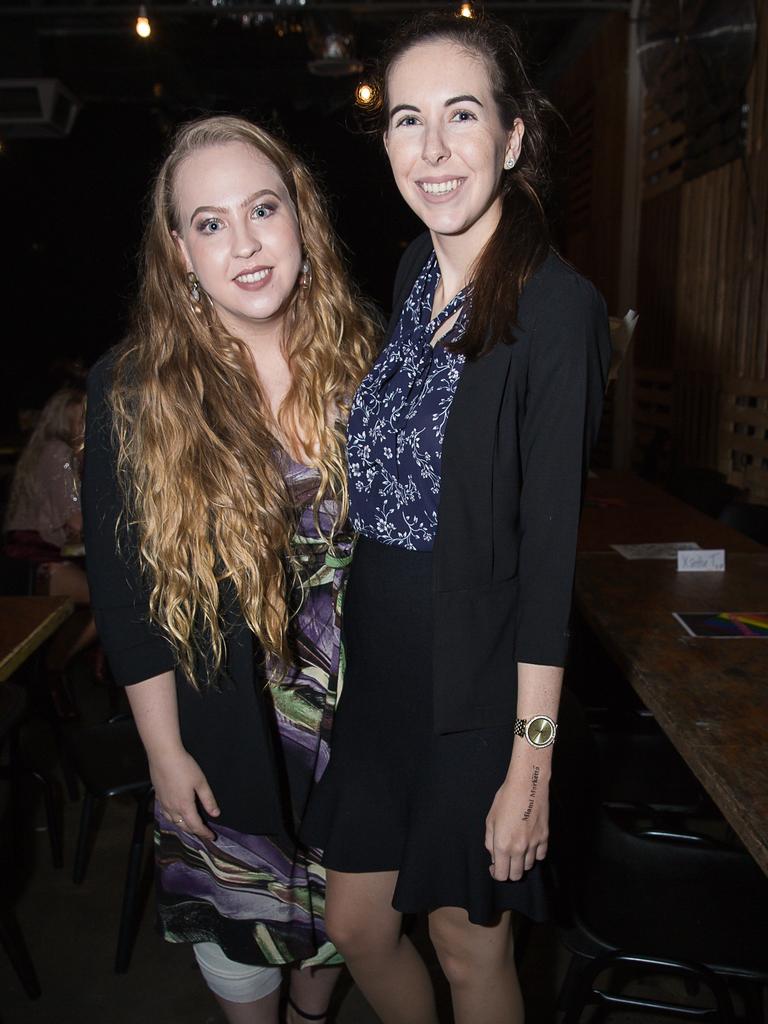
(656, 281)
(721, 330)
(592, 98)
(702, 282)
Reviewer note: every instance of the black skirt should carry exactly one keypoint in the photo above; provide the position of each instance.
(396, 796)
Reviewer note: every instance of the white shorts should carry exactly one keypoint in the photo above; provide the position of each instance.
(235, 982)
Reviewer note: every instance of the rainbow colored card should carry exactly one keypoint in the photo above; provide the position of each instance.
(725, 625)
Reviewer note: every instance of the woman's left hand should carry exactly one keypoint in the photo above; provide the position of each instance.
(517, 826)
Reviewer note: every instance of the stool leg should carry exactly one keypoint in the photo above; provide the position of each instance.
(132, 879)
(582, 991)
(722, 998)
(12, 940)
(81, 853)
(570, 982)
(754, 1002)
(68, 773)
(52, 817)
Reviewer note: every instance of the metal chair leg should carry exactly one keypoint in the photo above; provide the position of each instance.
(12, 940)
(754, 1002)
(65, 760)
(83, 836)
(570, 982)
(132, 880)
(52, 817)
(576, 993)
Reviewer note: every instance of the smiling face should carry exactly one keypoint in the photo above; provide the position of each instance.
(238, 232)
(445, 139)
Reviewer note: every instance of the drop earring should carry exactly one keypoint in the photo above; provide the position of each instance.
(194, 287)
(306, 274)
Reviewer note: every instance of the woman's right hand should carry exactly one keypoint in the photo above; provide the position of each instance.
(178, 779)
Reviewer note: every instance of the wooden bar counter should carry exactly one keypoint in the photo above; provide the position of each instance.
(620, 508)
(709, 695)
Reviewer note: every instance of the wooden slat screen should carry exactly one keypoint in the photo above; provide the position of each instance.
(744, 436)
(703, 280)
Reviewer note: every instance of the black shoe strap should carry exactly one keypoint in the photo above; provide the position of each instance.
(303, 1013)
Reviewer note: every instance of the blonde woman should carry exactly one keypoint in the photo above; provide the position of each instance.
(215, 503)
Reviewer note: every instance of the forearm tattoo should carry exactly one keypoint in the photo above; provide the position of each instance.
(532, 794)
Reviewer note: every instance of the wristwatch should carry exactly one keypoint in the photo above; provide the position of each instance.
(539, 731)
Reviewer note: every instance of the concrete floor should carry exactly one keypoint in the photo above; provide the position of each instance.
(72, 931)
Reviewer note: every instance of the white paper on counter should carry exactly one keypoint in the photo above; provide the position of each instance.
(668, 550)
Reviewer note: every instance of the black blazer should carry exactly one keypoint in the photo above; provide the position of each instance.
(225, 725)
(515, 456)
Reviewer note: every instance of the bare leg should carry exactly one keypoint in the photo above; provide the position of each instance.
(262, 1011)
(366, 930)
(310, 990)
(479, 963)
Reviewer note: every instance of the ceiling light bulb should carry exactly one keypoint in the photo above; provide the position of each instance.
(364, 93)
(143, 27)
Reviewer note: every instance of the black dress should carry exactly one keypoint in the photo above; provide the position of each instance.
(398, 795)
(252, 889)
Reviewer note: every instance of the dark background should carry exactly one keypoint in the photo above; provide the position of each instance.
(74, 206)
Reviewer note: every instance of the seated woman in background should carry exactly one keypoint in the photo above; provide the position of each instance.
(44, 518)
(215, 509)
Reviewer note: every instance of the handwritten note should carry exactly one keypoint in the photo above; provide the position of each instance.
(701, 561)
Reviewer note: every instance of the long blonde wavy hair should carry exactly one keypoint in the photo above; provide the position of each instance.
(199, 450)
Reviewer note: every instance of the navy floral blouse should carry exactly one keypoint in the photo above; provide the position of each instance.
(397, 423)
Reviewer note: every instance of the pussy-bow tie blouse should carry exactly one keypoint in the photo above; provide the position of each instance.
(397, 422)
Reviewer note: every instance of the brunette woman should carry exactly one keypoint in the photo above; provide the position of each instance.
(468, 445)
(215, 502)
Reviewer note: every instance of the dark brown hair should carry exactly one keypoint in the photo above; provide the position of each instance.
(521, 240)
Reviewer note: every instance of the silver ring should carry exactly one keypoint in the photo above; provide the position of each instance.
(179, 821)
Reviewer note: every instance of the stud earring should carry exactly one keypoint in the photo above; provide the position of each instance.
(509, 163)
(306, 274)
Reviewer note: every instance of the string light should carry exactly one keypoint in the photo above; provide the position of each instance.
(143, 27)
(364, 94)
(466, 11)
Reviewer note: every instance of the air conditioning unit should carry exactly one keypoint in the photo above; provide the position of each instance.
(36, 108)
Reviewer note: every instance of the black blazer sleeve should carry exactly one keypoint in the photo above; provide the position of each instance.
(567, 372)
(135, 648)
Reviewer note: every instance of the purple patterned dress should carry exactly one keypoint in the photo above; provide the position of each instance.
(262, 897)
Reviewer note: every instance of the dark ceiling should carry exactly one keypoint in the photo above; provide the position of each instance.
(213, 53)
(72, 272)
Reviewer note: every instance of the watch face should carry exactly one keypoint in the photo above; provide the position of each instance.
(540, 731)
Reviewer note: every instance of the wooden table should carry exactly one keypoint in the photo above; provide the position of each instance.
(709, 695)
(621, 508)
(25, 623)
